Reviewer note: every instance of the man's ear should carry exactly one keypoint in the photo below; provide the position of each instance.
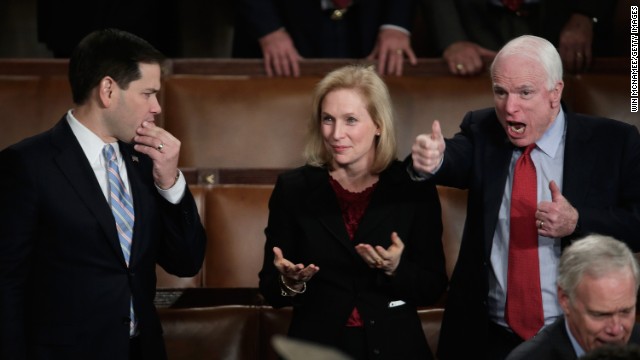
(556, 94)
(105, 90)
(564, 300)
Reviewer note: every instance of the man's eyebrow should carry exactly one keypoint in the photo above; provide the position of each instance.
(525, 87)
(518, 88)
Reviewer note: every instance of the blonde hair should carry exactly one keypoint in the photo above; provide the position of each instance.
(373, 90)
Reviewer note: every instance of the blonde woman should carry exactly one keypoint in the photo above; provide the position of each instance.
(352, 243)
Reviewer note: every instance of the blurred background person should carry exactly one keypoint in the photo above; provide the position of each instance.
(467, 33)
(614, 352)
(282, 32)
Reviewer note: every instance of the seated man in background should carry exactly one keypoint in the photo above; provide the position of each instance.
(597, 289)
(285, 31)
(468, 32)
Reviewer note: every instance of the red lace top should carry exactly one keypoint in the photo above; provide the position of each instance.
(352, 206)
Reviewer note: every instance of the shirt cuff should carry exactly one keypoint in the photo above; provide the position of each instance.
(422, 176)
(395, 27)
(175, 193)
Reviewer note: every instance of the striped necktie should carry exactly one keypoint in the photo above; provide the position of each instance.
(122, 208)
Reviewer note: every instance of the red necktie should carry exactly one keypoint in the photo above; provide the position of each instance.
(341, 4)
(523, 310)
(512, 5)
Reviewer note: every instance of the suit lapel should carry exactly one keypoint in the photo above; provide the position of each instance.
(496, 165)
(323, 202)
(76, 168)
(561, 340)
(577, 171)
(329, 215)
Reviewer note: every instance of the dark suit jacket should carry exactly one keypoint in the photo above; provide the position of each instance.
(553, 343)
(477, 21)
(313, 32)
(64, 285)
(601, 180)
(306, 223)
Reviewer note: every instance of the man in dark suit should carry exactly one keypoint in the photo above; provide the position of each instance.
(284, 31)
(467, 32)
(598, 279)
(587, 179)
(82, 231)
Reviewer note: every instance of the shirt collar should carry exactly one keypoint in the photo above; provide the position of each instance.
(574, 343)
(91, 143)
(550, 140)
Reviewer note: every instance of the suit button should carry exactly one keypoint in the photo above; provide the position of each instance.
(376, 352)
(372, 322)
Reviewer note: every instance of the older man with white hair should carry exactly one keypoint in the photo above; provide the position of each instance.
(598, 279)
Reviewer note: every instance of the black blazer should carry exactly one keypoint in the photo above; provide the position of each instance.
(553, 343)
(305, 221)
(314, 33)
(601, 180)
(64, 285)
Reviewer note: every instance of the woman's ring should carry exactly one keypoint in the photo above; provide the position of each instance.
(541, 225)
(159, 147)
(459, 66)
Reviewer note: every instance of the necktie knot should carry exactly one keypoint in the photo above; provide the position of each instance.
(109, 152)
(527, 151)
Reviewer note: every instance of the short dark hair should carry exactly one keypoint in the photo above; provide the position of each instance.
(108, 52)
(629, 351)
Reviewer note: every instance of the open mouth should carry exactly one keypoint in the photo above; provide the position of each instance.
(516, 127)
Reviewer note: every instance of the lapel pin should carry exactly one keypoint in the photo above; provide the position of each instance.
(134, 158)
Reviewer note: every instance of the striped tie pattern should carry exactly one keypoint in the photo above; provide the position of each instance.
(122, 208)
